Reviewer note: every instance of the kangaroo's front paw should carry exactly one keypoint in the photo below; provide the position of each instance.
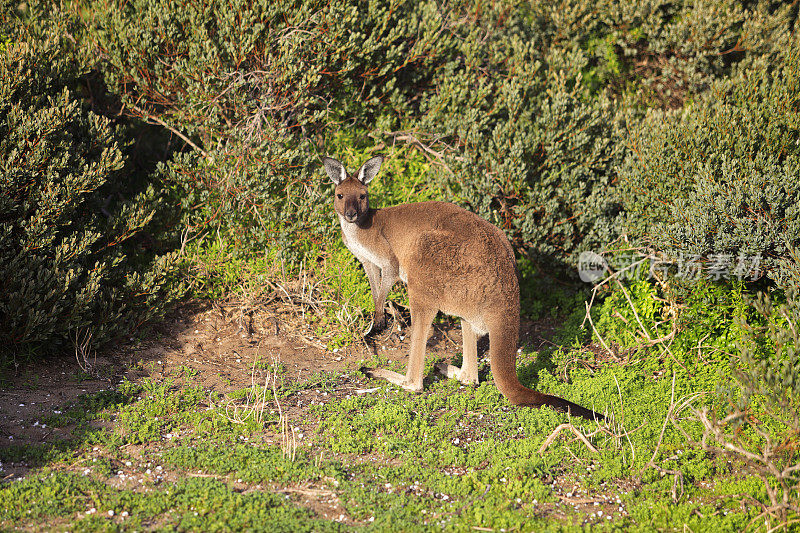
(449, 371)
(378, 324)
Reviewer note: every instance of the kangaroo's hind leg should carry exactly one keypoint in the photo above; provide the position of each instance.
(468, 373)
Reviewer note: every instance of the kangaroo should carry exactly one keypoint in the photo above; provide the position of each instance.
(452, 261)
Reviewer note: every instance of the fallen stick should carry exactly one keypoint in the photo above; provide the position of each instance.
(549, 440)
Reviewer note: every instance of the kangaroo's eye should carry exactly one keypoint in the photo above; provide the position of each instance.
(339, 196)
(363, 196)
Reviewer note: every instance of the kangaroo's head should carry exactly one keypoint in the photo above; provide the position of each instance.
(351, 200)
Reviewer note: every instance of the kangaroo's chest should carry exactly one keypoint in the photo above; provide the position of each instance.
(360, 246)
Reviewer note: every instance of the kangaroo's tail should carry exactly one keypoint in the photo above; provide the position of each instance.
(503, 361)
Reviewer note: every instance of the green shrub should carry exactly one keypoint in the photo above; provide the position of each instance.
(261, 89)
(536, 113)
(543, 172)
(72, 265)
(504, 99)
(662, 53)
(722, 178)
(276, 71)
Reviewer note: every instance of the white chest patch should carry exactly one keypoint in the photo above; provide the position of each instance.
(350, 235)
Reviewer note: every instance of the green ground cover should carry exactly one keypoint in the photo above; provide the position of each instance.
(451, 458)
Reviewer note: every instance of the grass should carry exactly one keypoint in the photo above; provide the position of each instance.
(171, 455)
(454, 458)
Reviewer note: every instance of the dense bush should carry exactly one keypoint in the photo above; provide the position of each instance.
(538, 148)
(722, 178)
(71, 262)
(517, 106)
(661, 53)
(261, 90)
(524, 113)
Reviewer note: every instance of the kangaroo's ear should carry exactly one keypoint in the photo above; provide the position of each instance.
(334, 169)
(370, 169)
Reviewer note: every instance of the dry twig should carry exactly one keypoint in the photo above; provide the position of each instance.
(152, 119)
(549, 440)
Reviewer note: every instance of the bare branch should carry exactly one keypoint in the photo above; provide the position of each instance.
(154, 119)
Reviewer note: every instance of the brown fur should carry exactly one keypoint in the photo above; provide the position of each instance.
(452, 261)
